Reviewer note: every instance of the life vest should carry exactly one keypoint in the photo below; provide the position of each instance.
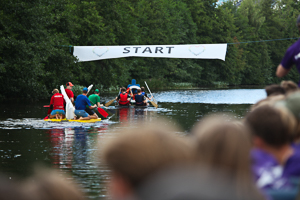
(123, 99)
(58, 101)
(139, 99)
(143, 93)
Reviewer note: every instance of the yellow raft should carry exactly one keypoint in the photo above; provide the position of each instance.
(72, 120)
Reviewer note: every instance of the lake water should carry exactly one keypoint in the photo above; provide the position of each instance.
(71, 147)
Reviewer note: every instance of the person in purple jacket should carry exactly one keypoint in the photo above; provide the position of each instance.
(290, 58)
(274, 160)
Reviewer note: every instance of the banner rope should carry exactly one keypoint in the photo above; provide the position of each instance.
(264, 40)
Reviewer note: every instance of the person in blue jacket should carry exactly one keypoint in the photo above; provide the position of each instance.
(80, 105)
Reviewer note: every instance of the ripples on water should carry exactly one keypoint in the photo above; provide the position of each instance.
(73, 147)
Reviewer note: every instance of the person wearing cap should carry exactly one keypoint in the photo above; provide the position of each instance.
(291, 57)
(95, 98)
(69, 91)
(80, 105)
(57, 104)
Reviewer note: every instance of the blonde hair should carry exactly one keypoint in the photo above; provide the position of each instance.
(225, 145)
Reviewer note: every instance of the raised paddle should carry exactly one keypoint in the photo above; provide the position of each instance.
(89, 88)
(152, 102)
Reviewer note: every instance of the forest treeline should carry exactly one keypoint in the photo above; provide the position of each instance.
(35, 34)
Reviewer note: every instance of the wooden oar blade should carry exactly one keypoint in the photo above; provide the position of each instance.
(154, 104)
(154, 100)
(110, 102)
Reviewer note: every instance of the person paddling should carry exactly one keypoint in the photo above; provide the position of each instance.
(140, 99)
(80, 105)
(57, 104)
(123, 98)
(95, 98)
(144, 93)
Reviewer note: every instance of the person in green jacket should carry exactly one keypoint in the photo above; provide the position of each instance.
(95, 98)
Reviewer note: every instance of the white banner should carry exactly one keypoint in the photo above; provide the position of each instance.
(194, 51)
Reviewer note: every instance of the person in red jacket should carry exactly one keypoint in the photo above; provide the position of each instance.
(57, 104)
(69, 91)
(123, 98)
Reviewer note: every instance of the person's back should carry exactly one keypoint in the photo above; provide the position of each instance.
(81, 102)
(123, 98)
(58, 101)
(94, 98)
(139, 98)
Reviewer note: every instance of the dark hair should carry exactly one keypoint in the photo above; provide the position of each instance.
(142, 89)
(123, 89)
(268, 124)
(274, 90)
(138, 90)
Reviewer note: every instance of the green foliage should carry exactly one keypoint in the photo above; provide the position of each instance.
(33, 59)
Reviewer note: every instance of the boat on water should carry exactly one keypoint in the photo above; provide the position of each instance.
(73, 120)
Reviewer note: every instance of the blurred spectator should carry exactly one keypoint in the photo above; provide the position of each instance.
(225, 145)
(50, 185)
(274, 90)
(270, 100)
(138, 153)
(275, 161)
(292, 103)
(190, 183)
(289, 86)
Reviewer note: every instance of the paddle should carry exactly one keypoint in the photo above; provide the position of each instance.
(111, 101)
(89, 88)
(154, 101)
(108, 110)
(69, 106)
(102, 112)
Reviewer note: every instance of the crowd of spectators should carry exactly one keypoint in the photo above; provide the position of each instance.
(257, 157)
